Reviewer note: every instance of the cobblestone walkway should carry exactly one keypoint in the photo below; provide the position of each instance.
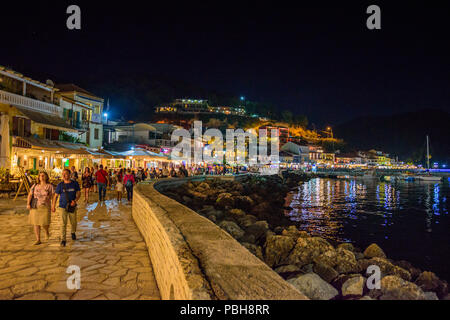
(110, 251)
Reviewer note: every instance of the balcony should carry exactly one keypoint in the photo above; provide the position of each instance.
(28, 103)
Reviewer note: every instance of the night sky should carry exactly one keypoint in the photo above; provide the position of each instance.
(321, 61)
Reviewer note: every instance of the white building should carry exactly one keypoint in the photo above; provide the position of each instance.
(84, 110)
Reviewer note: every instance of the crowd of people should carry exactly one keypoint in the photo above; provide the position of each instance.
(44, 198)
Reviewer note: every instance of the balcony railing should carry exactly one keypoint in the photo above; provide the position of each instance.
(31, 104)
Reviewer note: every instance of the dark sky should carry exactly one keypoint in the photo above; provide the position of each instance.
(321, 61)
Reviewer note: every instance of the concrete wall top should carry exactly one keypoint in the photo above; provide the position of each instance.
(226, 270)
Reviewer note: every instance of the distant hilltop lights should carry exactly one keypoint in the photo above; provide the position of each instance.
(198, 106)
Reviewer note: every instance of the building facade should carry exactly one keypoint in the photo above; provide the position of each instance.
(84, 110)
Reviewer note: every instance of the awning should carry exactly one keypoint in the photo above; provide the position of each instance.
(49, 121)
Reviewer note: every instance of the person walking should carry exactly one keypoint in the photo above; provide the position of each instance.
(74, 174)
(102, 181)
(39, 203)
(86, 183)
(95, 178)
(119, 185)
(129, 183)
(69, 193)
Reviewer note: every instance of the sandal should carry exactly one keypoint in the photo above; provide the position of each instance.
(37, 243)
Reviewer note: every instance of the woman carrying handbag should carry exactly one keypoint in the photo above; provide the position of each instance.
(39, 204)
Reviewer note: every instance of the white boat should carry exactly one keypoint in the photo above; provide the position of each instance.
(428, 176)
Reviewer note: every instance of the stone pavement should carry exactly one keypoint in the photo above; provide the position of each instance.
(110, 251)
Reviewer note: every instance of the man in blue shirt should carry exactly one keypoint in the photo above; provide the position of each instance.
(68, 192)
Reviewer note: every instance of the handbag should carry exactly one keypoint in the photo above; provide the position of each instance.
(34, 200)
(69, 208)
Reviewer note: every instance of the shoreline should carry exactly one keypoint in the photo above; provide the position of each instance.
(253, 212)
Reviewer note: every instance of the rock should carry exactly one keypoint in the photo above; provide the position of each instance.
(347, 246)
(225, 200)
(374, 251)
(314, 287)
(431, 296)
(277, 250)
(309, 268)
(328, 258)
(306, 249)
(346, 261)
(258, 229)
(232, 228)
(202, 187)
(294, 233)
(359, 255)
(415, 272)
(247, 220)
(387, 268)
(395, 288)
(278, 230)
(326, 272)
(353, 286)
(186, 200)
(254, 249)
(288, 268)
(244, 202)
(339, 281)
(428, 281)
(249, 238)
(366, 298)
(212, 218)
(236, 214)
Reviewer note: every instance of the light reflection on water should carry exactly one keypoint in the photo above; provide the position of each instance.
(409, 220)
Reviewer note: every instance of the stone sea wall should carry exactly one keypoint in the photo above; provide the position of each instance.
(195, 259)
(251, 210)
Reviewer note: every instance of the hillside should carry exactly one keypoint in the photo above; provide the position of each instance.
(402, 135)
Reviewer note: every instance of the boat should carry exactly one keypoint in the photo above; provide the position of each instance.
(372, 175)
(427, 176)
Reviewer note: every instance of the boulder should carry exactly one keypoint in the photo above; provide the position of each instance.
(387, 268)
(415, 272)
(247, 220)
(202, 187)
(314, 287)
(287, 269)
(347, 246)
(328, 258)
(428, 281)
(326, 272)
(258, 229)
(354, 286)
(254, 249)
(395, 288)
(233, 229)
(431, 296)
(244, 202)
(249, 238)
(292, 232)
(374, 251)
(277, 250)
(236, 214)
(306, 249)
(346, 261)
(225, 200)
